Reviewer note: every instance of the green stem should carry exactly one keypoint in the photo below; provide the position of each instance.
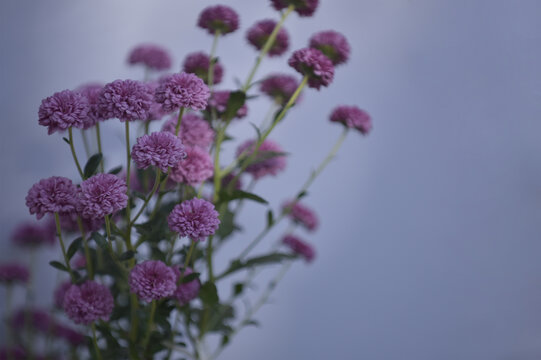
(210, 76)
(209, 259)
(179, 121)
(128, 166)
(85, 142)
(110, 244)
(95, 341)
(87, 251)
(62, 246)
(186, 262)
(150, 324)
(217, 171)
(147, 199)
(98, 140)
(72, 148)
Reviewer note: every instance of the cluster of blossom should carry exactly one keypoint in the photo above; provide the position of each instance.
(189, 198)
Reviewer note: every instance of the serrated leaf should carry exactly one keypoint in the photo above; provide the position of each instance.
(127, 255)
(74, 246)
(99, 239)
(208, 293)
(58, 265)
(234, 103)
(92, 165)
(115, 170)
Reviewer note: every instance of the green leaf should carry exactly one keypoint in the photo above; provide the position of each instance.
(66, 140)
(302, 194)
(92, 165)
(239, 194)
(251, 322)
(272, 258)
(99, 239)
(115, 170)
(58, 265)
(139, 195)
(270, 218)
(234, 103)
(190, 277)
(209, 294)
(127, 255)
(238, 288)
(257, 130)
(227, 225)
(74, 246)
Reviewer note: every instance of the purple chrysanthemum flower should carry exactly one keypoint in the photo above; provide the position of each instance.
(88, 302)
(194, 131)
(60, 292)
(161, 149)
(198, 63)
(352, 117)
(195, 218)
(218, 103)
(332, 44)
(260, 32)
(151, 55)
(280, 88)
(219, 18)
(127, 100)
(68, 222)
(312, 63)
(13, 273)
(100, 195)
(301, 214)
(52, 195)
(182, 90)
(270, 158)
(152, 280)
(187, 291)
(63, 110)
(194, 169)
(92, 94)
(300, 247)
(302, 7)
(34, 234)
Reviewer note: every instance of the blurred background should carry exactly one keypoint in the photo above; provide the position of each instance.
(430, 230)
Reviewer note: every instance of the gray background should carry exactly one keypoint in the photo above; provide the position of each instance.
(430, 238)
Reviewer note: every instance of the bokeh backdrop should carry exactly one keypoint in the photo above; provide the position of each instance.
(431, 226)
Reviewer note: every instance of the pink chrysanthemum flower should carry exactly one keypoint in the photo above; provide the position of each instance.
(14, 273)
(88, 302)
(100, 195)
(219, 18)
(161, 149)
(196, 219)
(352, 117)
(60, 292)
(301, 214)
(92, 93)
(152, 280)
(150, 55)
(332, 44)
(63, 110)
(260, 32)
(218, 103)
(198, 63)
(182, 90)
(52, 195)
(280, 88)
(270, 158)
(34, 234)
(302, 7)
(312, 63)
(126, 100)
(300, 247)
(194, 169)
(187, 291)
(194, 130)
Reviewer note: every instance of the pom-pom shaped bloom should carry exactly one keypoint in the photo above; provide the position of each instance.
(352, 117)
(198, 63)
(152, 280)
(219, 18)
(60, 292)
(92, 93)
(100, 195)
(196, 168)
(160, 149)
(14, 273)
(302, 7)
(127, 100)
(187, 291)
(52, 195)
(88, 302)
(301, 214)
(218, 103)
(182, 90)
(260, 32)
(194, 131)
(152, 56)
(312, 63)
(300, 247)
(33, 234)
(332, 44)
(63, 110)
(196, 219)
(270, 158)
(280, 87)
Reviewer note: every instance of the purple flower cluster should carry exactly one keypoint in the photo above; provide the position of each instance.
(88, 302)
(300, 247)
(198, 63)
(182, 90)
(218, 18)
(270, 158)
(127, 100)
(312, 63)
(92, 94)
(279, 87)
(34, 234)
(14, 273)
(100, 195)
(52, 195)
(332, 44)
(194, 130)
(352, 117)
(218, 103)
(152, 56)
(302, 7)
(301, 214)
(63, 110)
(152, 280)
(260, 32)
(196, 219)
(160, 149)
(196, 168)
(187, 291)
